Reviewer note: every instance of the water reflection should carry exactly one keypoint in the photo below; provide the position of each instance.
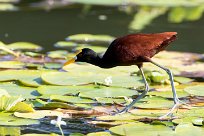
(34, 24)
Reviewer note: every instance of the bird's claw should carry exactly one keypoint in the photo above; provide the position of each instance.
(176, 106)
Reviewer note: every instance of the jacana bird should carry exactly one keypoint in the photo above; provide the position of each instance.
(133, 49)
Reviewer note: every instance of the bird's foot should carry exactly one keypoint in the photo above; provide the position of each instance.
(118, 112)
(177, 103)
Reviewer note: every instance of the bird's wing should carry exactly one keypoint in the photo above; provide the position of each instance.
(136, 45)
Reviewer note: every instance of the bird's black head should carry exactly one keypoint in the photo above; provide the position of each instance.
(86, 55)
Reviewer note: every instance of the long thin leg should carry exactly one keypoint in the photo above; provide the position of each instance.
(175, 97)
(140, 96)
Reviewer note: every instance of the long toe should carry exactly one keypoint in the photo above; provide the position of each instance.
(170, 113)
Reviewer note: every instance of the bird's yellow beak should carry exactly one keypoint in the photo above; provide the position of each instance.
(73, 59)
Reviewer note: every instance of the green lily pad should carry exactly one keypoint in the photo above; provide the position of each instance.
(48, 90)
(183, 80)
(15, 90)
(38, 114)
(168, 94)
(52, 105)
(89, 38)
(197, 90)
(22, 107)
(194, 112)
(198, 121)
(95, 48)
(188, 129)
(154, 103)
(133, 129)
(26, 77)
(33, 54)
(99, 134)
(7, 102)
(65, 44)
(3, 92)
(24, 46)
(58, 54)
(34, 134)
(184, 120)
(11, 64)
(110, 100)
(71, 99)
(13, 103)
(10, 131)
(118, 117)
(7, 50)
(9, 120)
(53, 65)
(108, 92)
(67, 78)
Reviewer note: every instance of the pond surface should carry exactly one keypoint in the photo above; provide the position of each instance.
(47, 27)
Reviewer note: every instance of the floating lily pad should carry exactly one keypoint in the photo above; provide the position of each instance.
(133, 129)
(89, 38)
(95, 48)
(27, 77)
(197, 90)
(11, 64)
(62, 90)
(168, 94)
(15, 90)
(67, 78)
(13, 103)
(65, 44)
(38, 114)
(194, 112)
(188, 129)
(154, 103)
(58, 54)
(52, 105)
(99, 134)
(71, 99)
(3, 92)
(33, 54)
(125, 116)
(108, 92)
(10, 131)
(24, 46)
(198, 121)
(53, 65)
(110, 100)
(183, 80)
(9, 120)
(184, 120)
(34, 134)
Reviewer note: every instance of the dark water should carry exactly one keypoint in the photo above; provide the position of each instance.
(46, 28)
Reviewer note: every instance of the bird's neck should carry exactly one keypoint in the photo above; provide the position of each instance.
(97, 61)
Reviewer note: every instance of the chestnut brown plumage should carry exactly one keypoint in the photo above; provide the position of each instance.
(133, 49)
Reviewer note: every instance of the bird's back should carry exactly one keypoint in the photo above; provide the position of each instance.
(130, 48)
